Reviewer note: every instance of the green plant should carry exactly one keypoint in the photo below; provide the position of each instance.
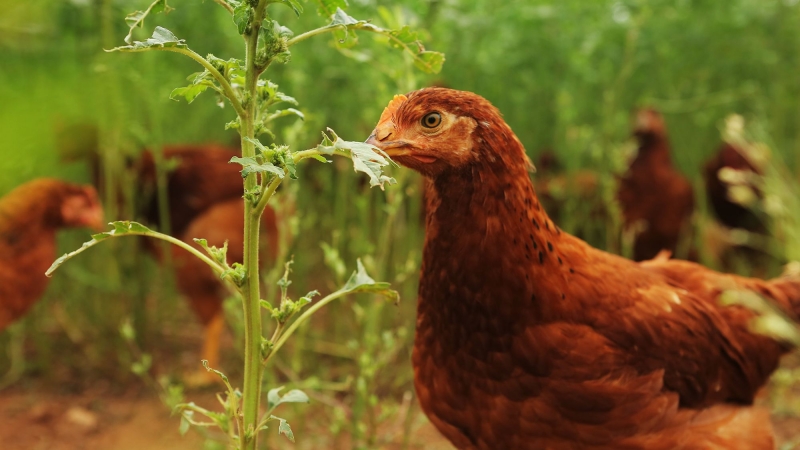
(264, 167)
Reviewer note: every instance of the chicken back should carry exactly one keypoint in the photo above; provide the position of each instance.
(528, 338)
(30, 215)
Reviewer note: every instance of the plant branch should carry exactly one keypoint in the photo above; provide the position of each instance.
(225, 5)
(303, 317)
(210, 262)
(266, 195)
(223, 82)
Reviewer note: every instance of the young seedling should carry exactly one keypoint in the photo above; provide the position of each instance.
(257, 103)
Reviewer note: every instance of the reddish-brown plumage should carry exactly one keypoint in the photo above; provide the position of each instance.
(653, 194)
(201, 177)
(30, 215)
(528, 338)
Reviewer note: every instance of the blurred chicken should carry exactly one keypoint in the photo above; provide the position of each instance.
(220, 222)
(528, 338)
(202, 190)
(727, 211)
(204, 194)
(735, 249)
(30, 216)
(198, 176)
(653, 194)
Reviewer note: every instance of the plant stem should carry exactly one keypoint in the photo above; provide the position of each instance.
(225, 5)
(299, 321)
(252, 218)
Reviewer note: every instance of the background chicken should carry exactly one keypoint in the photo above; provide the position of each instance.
(30, 215)
(529, 338)
(728, 212)
(223, 221)
(655, 198)
(204, 194)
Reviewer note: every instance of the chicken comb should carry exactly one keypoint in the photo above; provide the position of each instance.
(393, 105)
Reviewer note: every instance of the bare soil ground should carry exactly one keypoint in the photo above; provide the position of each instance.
(37, 419)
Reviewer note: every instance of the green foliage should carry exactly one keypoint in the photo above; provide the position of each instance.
(327, 8)
(161, 38)
(366, 158)
(359, 281)
(136, 19)
(770, 320)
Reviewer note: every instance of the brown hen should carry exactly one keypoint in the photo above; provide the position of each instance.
(733, 251)
(727, 211)
(653, 195)
(30, 216)
(221, 222)
(204, 193)
(528, 338)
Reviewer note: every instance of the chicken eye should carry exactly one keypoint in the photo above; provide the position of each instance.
(432, 120)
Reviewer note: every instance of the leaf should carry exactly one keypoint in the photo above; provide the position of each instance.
(327, 8)
(405, 36)
(161, 38)
(250, 166)
(120, 229)
(295, 5)
(339, 17)
(242, 14)
(429, 62)
(360, 281)
(220, 374)
(770, 320)
(284, 428)
(185, 424)
(294, 396)
(136, 19)
(366, 158)
(188, 92)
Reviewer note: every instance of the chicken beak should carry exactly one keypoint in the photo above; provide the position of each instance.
(382, 137)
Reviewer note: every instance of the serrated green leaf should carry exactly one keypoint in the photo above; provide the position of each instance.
(242, 14)
(429, 62)
(404, 35)
(285, 430)
(120, 228)
(136, 19)
(280, 96)
(327, 8)
(250, 166)
(294, 396)
(161, 38)
(360, 281)
(366, 158)
(210, 369)
(295, 5)
(339, 17)
(284, 113)
(188, 92)
(260, 148)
